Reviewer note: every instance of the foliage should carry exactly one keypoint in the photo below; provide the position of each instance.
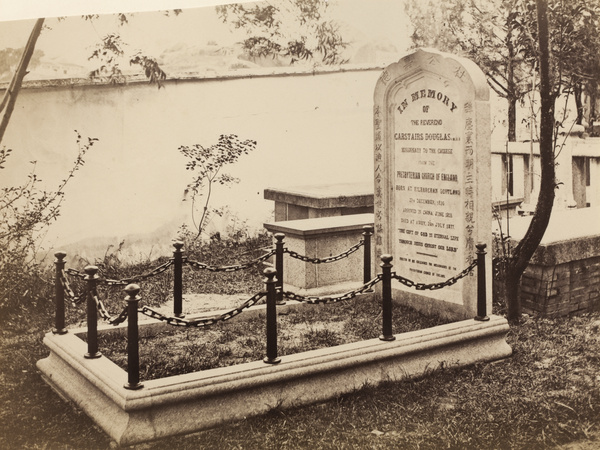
(501, 37)
(110, 51)
(545, 395)
(207, 164)
(303, 328)
(26, 212)
(487, 31)
(575, 46)
(295, 30)
(545, 37)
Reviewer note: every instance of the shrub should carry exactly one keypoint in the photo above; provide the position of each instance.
(26, 212)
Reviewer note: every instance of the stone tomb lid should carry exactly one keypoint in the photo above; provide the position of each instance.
(321, 225)
(329, 195)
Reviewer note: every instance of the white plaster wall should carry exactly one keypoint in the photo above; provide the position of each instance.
(573, 146)
(310, 129)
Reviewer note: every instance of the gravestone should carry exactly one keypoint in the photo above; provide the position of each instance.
(432, 182)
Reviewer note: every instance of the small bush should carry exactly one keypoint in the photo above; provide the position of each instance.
(26, 212)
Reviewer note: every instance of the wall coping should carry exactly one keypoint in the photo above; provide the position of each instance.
(321, 225)
(176, 77)
(589, 147)
(572, 235)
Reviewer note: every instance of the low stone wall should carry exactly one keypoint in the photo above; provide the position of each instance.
(552, 287)
(563, 276)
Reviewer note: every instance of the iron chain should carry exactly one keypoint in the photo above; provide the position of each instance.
(434, 286)
(202, 266)
(104, 314)
(75, 299)
(203, 322)
(348, 252)
(336, 298)
(78, 299)
(125, 281)
(76, 273)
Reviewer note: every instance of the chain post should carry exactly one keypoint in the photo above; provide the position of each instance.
(270, 282)
(386, 298)
(481, 287)
(279, 250)
(178, 279)
(133, 351)
(92, 313)
(367, 233)
(59, 294)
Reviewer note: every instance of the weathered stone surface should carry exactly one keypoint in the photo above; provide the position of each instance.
(322, 238)
(192, 402)
(432, 175)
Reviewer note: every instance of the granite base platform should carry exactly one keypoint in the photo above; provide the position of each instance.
(200, 400)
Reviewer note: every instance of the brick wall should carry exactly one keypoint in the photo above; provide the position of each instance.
(563, 288)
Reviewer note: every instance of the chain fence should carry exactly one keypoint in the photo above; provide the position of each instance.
(79, 299)
(434, 286)
(106, 316)
(207, 321)
(125, 281)
(343, 255)
(204, 321)
(334, 298)
(233, 268)
(74, 299)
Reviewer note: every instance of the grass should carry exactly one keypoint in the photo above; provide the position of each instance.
(308, 327)
(546, 394)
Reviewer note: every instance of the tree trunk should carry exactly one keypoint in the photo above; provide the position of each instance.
(10, 96)
(524, 250)
(510, 88)
(578, 94)
(512, 119)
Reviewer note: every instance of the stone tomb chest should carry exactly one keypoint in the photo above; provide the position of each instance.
(432, 176)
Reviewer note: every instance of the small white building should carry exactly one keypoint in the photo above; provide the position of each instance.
(516, 175)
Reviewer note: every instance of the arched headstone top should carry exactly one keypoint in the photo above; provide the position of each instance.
(454, 69)
(432, 181)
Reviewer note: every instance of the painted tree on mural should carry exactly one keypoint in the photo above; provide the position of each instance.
(292, 30)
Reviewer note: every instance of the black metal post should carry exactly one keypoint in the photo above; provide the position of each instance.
(386, 298)
(59, 294)
(92, 313)
(481, 287)
(133, 352)
(270, 282)
(367, 233)
(279, 266)
(178, 279)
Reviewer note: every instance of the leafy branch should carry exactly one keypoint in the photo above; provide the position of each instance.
(26, 212)
(206, 163)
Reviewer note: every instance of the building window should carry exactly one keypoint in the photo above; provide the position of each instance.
(587, 172)
(507, 169)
